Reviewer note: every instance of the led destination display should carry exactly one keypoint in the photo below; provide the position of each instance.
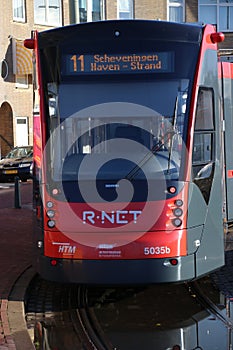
(153, 62)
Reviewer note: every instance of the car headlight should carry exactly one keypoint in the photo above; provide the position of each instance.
(24, 165)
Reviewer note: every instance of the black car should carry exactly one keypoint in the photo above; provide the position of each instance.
(18, 162)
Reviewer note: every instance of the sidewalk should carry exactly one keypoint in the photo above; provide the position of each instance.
(15, 252)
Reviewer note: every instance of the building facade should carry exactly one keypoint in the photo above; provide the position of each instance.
(19, 17)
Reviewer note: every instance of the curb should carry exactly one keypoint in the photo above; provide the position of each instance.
(14, 333)
(6, 339)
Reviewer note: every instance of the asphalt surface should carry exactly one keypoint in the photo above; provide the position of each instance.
(15, 259)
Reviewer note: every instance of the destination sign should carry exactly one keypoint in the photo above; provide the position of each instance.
(153, 62)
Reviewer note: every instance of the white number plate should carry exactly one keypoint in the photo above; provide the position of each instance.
(160, 250)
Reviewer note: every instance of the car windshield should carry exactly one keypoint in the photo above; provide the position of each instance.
(19, 152)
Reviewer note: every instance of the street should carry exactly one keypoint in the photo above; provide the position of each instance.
(15, 258)
(7, 193)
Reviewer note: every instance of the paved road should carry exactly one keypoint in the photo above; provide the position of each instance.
(5, 186)
(7, 194)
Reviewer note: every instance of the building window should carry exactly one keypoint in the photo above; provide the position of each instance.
(91, 10)
(21, 81)
(19, 10)
(21, 133)
(48, 12)
(218, 12)
(175, 10)
(4, 69)
(125, 9)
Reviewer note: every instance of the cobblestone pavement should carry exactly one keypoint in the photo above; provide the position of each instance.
(15, 251)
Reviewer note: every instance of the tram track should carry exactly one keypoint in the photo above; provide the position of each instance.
(55, 311)
(65, 316)
(87, 326)
(196, 290)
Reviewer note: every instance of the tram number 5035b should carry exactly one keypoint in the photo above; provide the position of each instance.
(156, 250)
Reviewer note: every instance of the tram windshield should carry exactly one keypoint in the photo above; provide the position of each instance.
(140, 121)
(130, 107)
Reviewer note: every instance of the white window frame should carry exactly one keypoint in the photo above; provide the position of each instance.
(89, 8)
(46, 20)
(172, 4)
(15, 5)
(217, 5)
(19, 133)
(130, 9)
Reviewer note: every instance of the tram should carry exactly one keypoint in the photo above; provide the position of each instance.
(133, 169)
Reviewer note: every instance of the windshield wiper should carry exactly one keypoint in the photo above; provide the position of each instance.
(156, 148)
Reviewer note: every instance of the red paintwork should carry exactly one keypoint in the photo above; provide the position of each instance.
(153, 228)
(227, 70)
(37, 147)
(58, 245)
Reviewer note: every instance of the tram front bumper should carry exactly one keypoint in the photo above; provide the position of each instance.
(145, 271)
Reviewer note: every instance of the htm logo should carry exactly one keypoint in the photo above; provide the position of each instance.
(66, 249)
(120, 217)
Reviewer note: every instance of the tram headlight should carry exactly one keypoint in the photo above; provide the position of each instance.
(177, 222)
(50, 213)
(51, 223)
(179, 202)
(177, 212)
(49, 204)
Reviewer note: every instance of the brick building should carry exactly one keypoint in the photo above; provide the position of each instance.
(19, 17)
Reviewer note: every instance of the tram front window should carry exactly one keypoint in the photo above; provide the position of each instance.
(117, 119)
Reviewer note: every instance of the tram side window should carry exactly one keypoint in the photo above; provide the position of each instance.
(204, 128)
(202, 158)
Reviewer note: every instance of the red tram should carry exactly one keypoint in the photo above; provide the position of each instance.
(133, 167)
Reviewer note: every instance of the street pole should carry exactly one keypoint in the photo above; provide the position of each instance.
(17, 193)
